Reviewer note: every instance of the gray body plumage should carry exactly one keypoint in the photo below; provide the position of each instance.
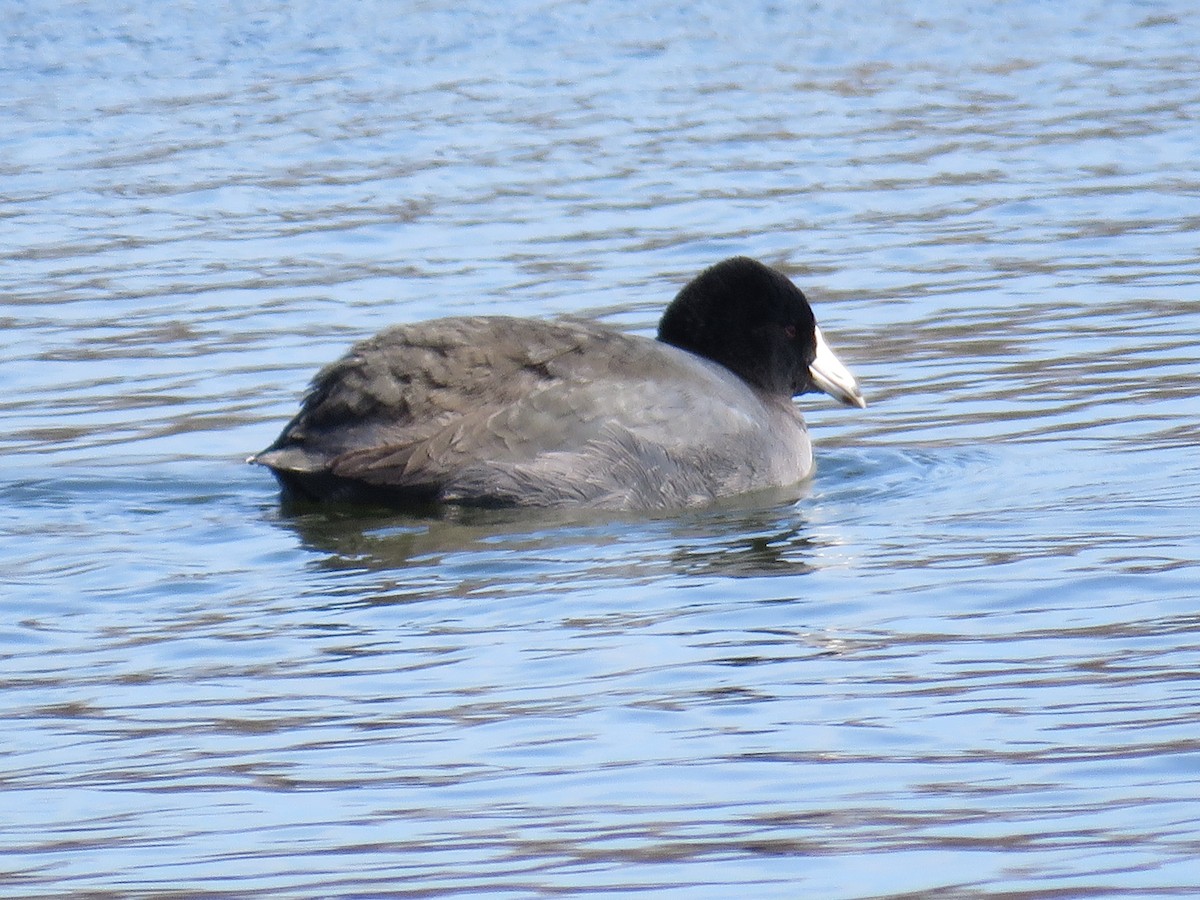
(504, 411)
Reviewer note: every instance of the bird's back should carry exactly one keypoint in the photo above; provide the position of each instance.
(497, 410)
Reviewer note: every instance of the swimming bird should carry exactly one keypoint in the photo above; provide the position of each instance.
(503, 411)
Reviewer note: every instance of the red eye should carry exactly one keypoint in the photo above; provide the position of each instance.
(789, 332)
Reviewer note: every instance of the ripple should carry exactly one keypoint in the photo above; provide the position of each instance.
(861, 475)
(970, 639)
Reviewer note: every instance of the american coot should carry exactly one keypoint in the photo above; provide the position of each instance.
(501, 411)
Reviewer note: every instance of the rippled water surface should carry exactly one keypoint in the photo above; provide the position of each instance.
(964, 660)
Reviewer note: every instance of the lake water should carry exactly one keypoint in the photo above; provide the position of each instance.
(964, 660)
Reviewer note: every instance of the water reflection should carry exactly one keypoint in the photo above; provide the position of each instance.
(751, 536)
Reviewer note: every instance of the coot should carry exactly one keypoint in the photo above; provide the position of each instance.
(500, 411)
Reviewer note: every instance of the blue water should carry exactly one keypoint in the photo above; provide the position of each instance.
(962, 661)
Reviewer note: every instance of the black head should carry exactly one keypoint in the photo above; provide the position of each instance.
(751, 319)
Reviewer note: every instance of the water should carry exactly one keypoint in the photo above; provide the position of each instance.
(963, 661)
